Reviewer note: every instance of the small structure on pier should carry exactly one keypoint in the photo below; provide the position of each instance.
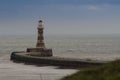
(40, 49)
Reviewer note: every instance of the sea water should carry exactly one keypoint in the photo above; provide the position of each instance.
(82, 47)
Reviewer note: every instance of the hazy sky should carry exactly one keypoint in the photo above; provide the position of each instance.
(60, 16)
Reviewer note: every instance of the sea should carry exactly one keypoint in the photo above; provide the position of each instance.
(95, 47)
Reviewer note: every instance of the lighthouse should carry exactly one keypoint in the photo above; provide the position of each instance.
(40, 50)
(40, 39)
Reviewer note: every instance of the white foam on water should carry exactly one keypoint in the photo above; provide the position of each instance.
(20, 71)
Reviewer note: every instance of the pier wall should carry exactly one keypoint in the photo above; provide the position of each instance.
(55, 61)
(39, 52)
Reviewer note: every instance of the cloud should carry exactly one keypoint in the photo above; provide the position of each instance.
(93, 8)
(99, 7)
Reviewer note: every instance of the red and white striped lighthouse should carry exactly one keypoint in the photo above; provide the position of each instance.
(40, 49)
(40, 39)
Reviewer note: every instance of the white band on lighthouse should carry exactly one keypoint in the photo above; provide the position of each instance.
(40, 24)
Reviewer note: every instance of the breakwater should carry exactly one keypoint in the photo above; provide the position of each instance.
(55, 61)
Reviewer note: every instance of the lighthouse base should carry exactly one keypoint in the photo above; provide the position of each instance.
(41, 52)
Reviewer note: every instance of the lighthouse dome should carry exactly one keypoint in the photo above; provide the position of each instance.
(40, 21)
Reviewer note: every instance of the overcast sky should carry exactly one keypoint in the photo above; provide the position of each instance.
(60, 16)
